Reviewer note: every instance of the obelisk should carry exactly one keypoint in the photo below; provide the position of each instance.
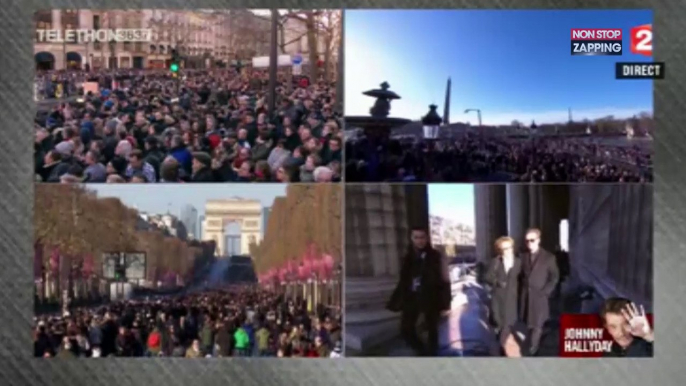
(446, 110)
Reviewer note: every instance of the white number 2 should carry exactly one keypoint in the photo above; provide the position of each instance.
(645, 42)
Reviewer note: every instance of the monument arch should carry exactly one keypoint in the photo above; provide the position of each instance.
(233, 224)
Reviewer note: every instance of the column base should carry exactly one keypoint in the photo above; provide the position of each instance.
(367, 323)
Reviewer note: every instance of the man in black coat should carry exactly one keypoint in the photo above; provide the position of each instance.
(421, 289)
(540, 277)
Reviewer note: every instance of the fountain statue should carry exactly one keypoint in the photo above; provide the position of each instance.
(378, 124)
(384, 96)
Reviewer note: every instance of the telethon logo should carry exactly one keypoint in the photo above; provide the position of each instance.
(597, 41)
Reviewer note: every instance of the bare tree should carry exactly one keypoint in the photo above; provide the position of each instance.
(321, 25)
(331, 26)
(249, 34)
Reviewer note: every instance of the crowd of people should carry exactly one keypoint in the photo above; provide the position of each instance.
(198, 126)
(497, 159)
(243, 322)
(56, 84)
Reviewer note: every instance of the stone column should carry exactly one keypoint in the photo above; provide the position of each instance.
(376, 226)
(539, 213)
(417, 203)
(57, 49)
(491, 218)
(517, 212)
(56, 19)
(535, 206)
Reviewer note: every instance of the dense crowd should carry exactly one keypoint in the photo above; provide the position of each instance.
(201, 126)
(221, 323)
(477, 159)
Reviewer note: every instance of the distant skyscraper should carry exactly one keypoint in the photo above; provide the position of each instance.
(189, 218)
(201, 220)
(446, 109)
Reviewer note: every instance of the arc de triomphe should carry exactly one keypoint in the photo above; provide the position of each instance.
(233, 224)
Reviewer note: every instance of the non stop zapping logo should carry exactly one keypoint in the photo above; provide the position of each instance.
(596, 41)
(608, 41)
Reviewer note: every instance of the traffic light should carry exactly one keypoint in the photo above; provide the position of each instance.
(174, 66)
(120, 272)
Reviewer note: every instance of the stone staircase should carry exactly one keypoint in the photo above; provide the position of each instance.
(367, 322)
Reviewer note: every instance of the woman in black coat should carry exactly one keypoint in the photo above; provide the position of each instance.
(503, 277)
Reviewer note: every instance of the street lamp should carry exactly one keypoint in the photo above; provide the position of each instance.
(533, 129)
(478, 113)
(432, 123)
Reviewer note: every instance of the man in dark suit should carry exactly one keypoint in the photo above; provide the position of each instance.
(421, 289)
(540, 277)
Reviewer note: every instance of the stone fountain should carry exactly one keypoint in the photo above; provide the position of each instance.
(378, 124)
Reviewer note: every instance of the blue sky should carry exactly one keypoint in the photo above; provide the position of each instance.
(452, 201)
(160, 198)
(510, 64)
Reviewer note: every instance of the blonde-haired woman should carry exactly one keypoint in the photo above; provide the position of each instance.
(503, 276)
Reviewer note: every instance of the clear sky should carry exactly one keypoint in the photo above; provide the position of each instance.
(160, 198)
(510, 64)
(452, 201)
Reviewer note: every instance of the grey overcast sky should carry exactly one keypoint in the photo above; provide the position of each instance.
(163, 198)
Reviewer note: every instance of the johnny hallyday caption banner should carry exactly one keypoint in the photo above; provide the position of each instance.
(628, 333)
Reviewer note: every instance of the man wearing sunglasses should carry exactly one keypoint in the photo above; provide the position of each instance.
(540, 277)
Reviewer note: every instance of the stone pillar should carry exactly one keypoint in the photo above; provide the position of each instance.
(86, 22)
(417, 203)
(539, 214)
(491, 218)
(517, 212)
(85, 19)
(56, 19)
(535, 209)
(376, 238)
